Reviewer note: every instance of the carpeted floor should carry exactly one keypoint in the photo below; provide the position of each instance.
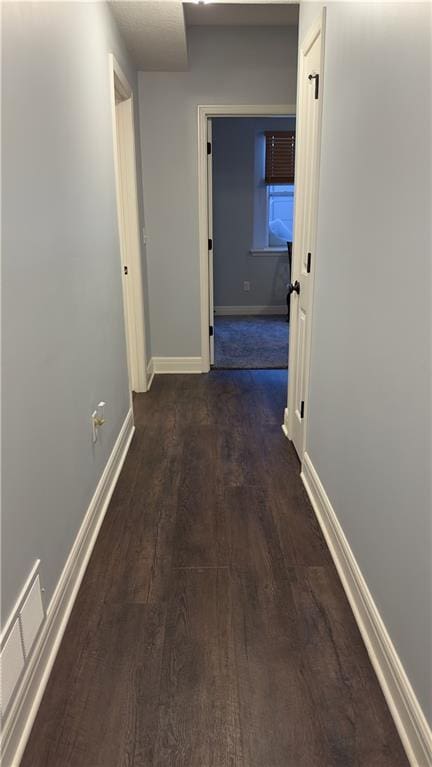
(251, 342)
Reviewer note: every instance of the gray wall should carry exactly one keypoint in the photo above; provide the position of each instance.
(238, 186)
(227, 66)
(370, 408)
(63, 330)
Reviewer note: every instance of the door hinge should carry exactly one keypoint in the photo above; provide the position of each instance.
(316, 78)
(209, 147)
(302, 409)
(211, 330)
(308, 266)
(125, 270)
(210, 244)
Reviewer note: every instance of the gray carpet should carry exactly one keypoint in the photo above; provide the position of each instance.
(251, 342)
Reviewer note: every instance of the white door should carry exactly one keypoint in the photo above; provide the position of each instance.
(308, 130)
(210, 237)
(128, 225)
(120, 109)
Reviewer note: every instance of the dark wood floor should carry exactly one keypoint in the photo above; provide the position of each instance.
(211, 629)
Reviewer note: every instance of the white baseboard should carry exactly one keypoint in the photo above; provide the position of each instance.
(150, 373)
(177, 364)
(401, 699)
(19, 721)
(285, 423)
(250, 310)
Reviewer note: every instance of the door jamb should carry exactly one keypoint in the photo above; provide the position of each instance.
(204, 112)
(129, 227)
(318, 27)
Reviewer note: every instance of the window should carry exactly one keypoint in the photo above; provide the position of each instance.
(280, 214)
(274, 190)
(279, 157)
(279, 177)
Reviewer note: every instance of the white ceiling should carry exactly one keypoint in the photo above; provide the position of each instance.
(155, 30)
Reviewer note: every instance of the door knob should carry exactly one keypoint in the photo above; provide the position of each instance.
(294, 288)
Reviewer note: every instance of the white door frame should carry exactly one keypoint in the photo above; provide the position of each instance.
(317, 28)
(210, 237)
(128, 225)
(205, 112)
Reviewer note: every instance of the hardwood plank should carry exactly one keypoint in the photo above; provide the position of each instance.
(232, 398)
(200, 532)
(99, 707)
(238, 462)
(198, 716)
(348, 703)
(276, 711)
(271, 387)
(132, 558)
(299, 532)
(182, 398)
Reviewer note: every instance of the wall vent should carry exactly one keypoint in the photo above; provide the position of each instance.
(19, 635)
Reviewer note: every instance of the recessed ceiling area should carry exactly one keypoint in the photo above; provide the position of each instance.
(155, 31)
(241, 14)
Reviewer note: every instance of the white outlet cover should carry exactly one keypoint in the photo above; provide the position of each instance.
(32, 615)
(11, 665)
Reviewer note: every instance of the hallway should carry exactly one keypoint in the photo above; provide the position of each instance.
(211, 629)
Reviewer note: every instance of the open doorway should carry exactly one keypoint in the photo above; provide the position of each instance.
(252, 199)
(246, 215)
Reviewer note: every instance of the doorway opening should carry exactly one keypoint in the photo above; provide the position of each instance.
(128, 225)
(245, 234)
(252, 195)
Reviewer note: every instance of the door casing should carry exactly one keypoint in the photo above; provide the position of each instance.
(210, 235)
(204, 113)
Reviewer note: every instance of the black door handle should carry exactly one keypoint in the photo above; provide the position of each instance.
(294, 288)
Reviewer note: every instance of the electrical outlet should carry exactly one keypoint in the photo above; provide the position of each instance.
(98, 420)
(246, 286)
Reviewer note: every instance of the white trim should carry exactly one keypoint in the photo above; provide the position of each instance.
(250, 310)
(23, 710)
(122, 84)
(150, 373)
(285, 423)
(128, 224)
(211, 294)
(204, 112)
(177, 364)
(268, 252)
(401, 699)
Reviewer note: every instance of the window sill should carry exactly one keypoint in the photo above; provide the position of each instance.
(268, 252)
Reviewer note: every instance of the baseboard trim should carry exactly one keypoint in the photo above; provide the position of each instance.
(18, 724)
(405, 709)
(150, 373)
(177, 364)
(250, 310)
(285, 423)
